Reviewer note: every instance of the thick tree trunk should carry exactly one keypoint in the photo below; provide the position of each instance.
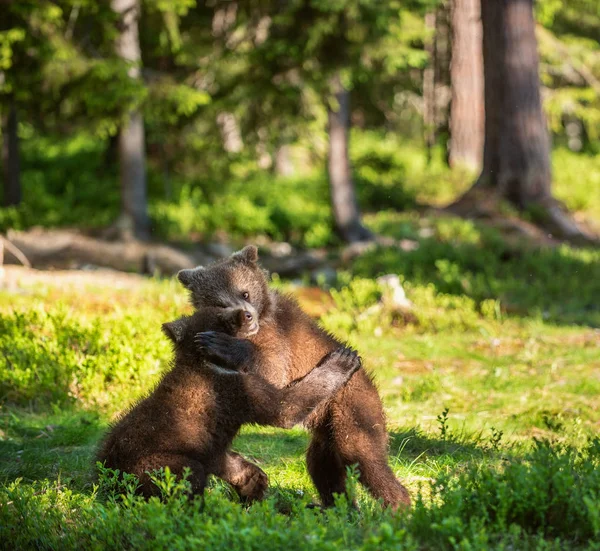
(466, 70)
(132, 148)
(517, 145)
(10, 158)
(516, 154)
(343, 195)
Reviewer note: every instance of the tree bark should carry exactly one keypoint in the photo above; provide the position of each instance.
(284, 166)
(132, 148)
(343, 194)
(10, 158)
(517, 144)
(429, 102)
(516, 153)
(466, 69)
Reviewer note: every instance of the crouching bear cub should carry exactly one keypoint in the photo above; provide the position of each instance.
(196, 410)
(350, 428)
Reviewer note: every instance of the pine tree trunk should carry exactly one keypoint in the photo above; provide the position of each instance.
(284, 166)
(343, 195)
(132, 148)
(517, 145)
(466, 68)
(429, 102)
(10, 158)
(516, 153)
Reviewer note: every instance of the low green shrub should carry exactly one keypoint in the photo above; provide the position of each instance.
(52, 357)
(547, 499)
(553, 492)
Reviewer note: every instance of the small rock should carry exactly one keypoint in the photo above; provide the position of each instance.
(394, 293)
(281, 249)
(408, 245)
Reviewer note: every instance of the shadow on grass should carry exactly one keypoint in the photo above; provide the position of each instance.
(61, 447)
(412, 444)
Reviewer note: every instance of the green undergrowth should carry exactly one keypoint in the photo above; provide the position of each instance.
(73, 182)
(491, 387)
(467, 263)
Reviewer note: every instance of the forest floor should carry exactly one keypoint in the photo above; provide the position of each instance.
(491, 385)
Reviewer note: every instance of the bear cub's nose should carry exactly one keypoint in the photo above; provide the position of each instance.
(248, 316)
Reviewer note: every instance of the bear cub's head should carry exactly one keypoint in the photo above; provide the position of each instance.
(235, 282)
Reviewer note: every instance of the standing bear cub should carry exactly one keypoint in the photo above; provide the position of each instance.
(194, 413)
(350, 428)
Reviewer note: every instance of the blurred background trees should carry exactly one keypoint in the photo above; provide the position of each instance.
(291, 117)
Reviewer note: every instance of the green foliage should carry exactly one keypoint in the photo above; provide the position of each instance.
(53, 358)
(64, 184)
(291, 209)
(570, 173)
(551, 492)
(546, 500)
(570, 65)
(357, 308)
(380, 172)
(458, 265)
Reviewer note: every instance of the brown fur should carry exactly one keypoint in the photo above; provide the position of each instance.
(196, 410)
(350, 428)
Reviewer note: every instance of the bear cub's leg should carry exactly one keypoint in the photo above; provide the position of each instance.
(176, 463)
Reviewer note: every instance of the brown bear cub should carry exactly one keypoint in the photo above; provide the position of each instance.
(196, 410)
(350, 428)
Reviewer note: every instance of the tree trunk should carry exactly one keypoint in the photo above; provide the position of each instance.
(132, 154)
(10, 158)
(466, 68)
(517, 145)
(516, 153)
(343, 195)
(429, 118)
(284, 166)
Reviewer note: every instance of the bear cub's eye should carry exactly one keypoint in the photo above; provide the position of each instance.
(245, 295)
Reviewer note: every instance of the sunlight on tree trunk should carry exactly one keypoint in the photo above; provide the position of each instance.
(343, 195)
(284, 165)
(132, 148)
(10, 157)
(466, 68)
(516, 159)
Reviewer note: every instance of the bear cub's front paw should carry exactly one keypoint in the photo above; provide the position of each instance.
(343, 359)
(223, 349)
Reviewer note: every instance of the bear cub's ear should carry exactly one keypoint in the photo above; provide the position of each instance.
(175, 330)
(248, 254)
(187, 277)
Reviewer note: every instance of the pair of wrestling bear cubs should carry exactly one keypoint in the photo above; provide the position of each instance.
(250, 355)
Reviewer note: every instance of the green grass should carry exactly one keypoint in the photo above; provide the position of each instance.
(491, 387)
